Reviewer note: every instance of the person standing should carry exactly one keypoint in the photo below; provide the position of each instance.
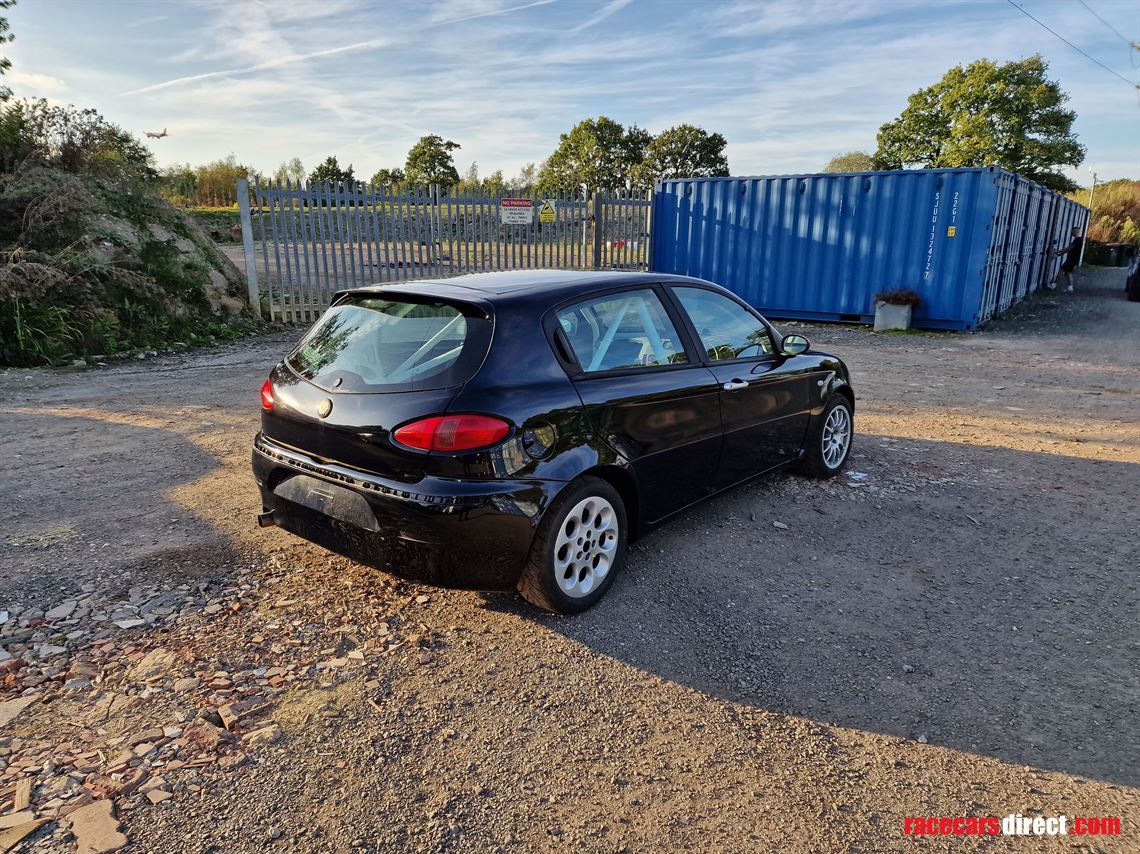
(1072, 254)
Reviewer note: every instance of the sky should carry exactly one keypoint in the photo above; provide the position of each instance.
(789, 83)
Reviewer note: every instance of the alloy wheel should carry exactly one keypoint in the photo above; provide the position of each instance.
(836, 437)
(586, 546)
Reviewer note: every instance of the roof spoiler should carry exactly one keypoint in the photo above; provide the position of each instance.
(478, 305)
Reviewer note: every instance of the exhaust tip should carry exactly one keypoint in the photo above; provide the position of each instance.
(265, 520)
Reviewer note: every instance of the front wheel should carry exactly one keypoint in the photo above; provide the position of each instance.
(830, 440)
(578, 549)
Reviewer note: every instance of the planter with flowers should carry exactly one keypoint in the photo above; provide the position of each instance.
(893, 309)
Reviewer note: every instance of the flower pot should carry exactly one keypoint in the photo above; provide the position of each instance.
(890, 316)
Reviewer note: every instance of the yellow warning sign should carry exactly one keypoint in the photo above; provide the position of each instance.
(951, 231)
(546, 212)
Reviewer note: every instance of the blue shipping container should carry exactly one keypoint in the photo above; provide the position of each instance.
(971, 242)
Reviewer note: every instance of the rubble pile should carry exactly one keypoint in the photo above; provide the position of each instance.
(132, 702)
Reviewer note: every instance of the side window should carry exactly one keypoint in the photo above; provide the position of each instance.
(626, 330)
(726, 330)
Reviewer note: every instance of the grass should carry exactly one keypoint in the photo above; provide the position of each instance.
(56, 335)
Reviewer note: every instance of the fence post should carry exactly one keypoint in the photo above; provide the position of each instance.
(597, 230)
(247, 246)
(651, 195)
(435, 242)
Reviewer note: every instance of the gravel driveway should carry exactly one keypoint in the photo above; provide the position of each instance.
(951, 628)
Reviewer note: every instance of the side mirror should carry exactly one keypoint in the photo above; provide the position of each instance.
(793, 345)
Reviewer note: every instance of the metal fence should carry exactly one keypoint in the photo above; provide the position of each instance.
(303, 243)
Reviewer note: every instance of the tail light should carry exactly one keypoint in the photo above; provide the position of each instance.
(450, 433)
(267, 396)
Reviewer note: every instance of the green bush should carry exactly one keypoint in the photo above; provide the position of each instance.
(181, 278)
(71, 139)
(39, 333)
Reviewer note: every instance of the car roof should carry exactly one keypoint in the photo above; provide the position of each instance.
(522, 285)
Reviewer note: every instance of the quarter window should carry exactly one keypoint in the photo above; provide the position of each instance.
(625, 330)
(726, 329)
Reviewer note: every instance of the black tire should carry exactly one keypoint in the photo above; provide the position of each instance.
(538, 583)
(814, 463)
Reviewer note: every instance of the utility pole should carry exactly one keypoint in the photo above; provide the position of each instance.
(1085, 236)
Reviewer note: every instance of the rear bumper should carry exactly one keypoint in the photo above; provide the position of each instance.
(450, 533)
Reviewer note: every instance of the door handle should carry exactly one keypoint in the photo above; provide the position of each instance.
(733, 385)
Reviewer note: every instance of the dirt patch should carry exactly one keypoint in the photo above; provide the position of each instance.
(947, 629)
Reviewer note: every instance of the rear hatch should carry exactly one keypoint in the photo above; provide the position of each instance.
(374, 362)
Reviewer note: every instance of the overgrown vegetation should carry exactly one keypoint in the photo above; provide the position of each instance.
(1116, 211)
(211, 184)
(92, 260)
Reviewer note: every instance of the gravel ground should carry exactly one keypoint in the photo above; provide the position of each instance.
(949, 629)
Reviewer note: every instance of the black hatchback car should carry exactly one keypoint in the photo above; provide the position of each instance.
(517, 430)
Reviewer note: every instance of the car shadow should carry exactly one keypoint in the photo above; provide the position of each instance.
(977, 598)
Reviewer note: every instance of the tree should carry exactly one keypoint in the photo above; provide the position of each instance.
(216, 182)
(330, 171)
(526, 179)
(290, 170)
(684, 151)
(430, 161)
(179, 184)
(598, 153)
(494, 184)
(212, 183)
(987, 114)
(71, 139)
(5, 37)
(852, 161)
(469, 183)
(384, 177)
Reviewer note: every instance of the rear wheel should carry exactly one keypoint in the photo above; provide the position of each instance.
(578, 549)
(830, 440)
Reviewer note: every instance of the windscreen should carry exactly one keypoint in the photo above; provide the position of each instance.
(371, 344)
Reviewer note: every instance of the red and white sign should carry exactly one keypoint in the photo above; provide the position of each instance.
(516, 211)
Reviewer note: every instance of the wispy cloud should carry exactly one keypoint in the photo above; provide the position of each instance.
(260, 66)
(35, 84)
(494, 11)
(610, 8)
(297, 58)
(145, 21)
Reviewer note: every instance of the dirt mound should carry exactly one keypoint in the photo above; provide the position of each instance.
(91, 265)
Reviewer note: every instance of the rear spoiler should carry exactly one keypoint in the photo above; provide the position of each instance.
(478, 304)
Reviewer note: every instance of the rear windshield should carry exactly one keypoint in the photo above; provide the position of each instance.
(370, 344)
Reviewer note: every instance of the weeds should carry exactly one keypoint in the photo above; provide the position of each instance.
(43, 334)
(33, 335)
